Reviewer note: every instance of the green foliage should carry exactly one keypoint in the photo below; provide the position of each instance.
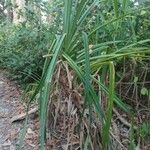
(144, 130)
(80, 59)
(22, 49)
(92, 37)
(114, 27)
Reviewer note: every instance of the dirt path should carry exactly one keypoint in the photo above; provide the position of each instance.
(10, 106)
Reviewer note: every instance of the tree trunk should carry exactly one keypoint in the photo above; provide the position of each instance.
(9, 11)
(18, 12)
(49, 16)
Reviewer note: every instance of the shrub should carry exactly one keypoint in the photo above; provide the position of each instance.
(22, 48)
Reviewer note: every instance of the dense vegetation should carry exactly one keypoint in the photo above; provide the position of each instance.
(92, 54)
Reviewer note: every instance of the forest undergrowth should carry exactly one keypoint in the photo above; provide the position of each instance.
(88, 70)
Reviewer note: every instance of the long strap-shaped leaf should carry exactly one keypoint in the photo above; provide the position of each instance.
(116, 9)
(106, 127)
(88, 98)
(67, 20)
(46, 89)
(84, 15)
(93, 95)
(79, 72)
(73, 19)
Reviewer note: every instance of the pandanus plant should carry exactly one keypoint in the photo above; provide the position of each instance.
(83, 51)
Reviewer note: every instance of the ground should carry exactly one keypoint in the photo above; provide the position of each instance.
(62, 123)
(10, 106)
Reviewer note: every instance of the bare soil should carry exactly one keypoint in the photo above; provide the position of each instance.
(10, 106)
